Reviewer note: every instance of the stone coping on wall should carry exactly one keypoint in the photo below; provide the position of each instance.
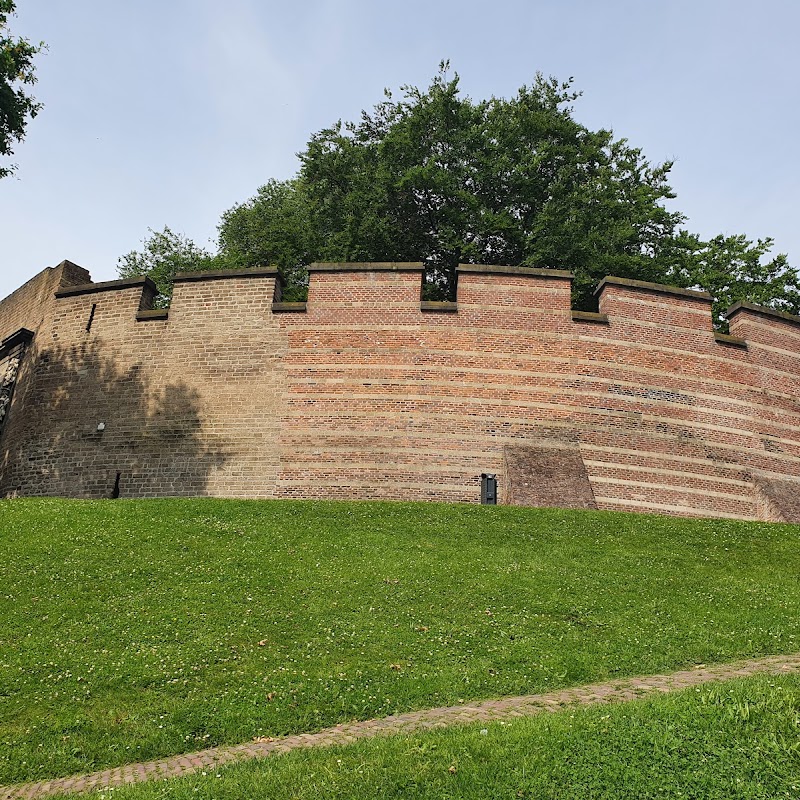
(499, 269)
(152, 313)
(366, 266)
(660, 288)
(726, 338)
(446, 306)
(590, 316)
(107, 286)
(743, 305)
(282, 308)
(222, 274)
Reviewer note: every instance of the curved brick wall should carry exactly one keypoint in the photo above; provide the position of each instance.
(366, 392)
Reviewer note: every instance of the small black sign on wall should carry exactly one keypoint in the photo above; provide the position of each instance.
(488, 489)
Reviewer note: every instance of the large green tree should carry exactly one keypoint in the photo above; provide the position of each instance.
(434, 176)
(273, 228)
(17, 106)
(438, 177)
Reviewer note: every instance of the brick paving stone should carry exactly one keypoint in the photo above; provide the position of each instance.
(618, 690)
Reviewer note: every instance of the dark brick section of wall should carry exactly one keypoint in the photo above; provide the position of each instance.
(778, 500)
(551, 475)
(365, 391)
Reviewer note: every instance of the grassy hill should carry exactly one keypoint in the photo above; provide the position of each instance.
(135, 629)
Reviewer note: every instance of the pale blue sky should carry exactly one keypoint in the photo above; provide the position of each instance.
(169, 112)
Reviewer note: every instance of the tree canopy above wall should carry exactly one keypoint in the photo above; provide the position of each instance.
(435, 176)
(17, 72)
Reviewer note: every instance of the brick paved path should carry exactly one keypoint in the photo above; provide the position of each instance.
(486, 711)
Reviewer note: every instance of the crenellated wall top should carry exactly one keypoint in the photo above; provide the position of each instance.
(502, 289)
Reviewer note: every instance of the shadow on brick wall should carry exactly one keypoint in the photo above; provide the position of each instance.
(86, 423)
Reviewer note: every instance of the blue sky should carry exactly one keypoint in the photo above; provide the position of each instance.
(168, 113)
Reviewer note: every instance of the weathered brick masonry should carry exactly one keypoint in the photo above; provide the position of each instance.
(367, 392)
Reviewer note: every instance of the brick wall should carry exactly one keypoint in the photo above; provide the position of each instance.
(33, 302)
(367, 392)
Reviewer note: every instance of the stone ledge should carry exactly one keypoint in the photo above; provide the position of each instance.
(733, 341)
(499, 269)
(438, 305)
(152, 313)
(590, 316)
(658, 288)
(366, 266)
(282, 308)
(106, 286)
(743, 305)
(222, 274)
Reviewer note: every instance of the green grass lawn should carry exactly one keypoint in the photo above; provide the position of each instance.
(135, 629)
(733, 741)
